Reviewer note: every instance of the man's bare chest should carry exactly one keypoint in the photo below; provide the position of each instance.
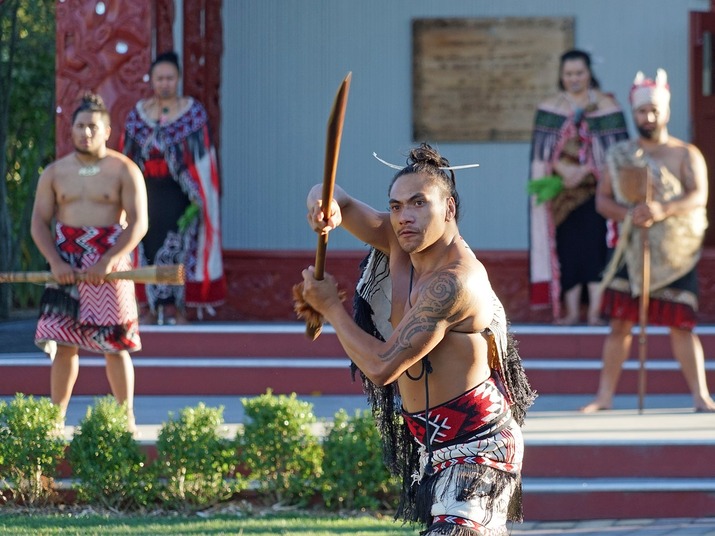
(96, 189)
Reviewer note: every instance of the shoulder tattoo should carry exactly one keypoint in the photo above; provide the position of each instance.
(438, 300)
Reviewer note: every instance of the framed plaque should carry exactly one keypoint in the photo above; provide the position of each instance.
(480, 79)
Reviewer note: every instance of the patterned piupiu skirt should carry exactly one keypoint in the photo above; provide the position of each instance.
(674, 306)
(469, 481)
(98, 318)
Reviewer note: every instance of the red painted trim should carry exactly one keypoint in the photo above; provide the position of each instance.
(260, 282)
(563, 506)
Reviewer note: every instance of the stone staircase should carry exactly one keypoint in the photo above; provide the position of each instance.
(248, 358)
(615, 464)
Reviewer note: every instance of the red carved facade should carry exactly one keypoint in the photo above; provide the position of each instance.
(103, 47)
(163, 25)
(260, 283)
(107, 48)
(203, 49)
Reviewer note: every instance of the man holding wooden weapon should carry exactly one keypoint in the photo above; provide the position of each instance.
(90, 212)
(445, 347)
(656, 186)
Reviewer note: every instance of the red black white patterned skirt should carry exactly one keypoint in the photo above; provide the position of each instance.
(98, 318)
(674, 306)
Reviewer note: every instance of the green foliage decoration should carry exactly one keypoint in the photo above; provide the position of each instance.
(545, 188)
(196, 458)
(354, 474)
(30, 448)
(107, 461)
(280, 449)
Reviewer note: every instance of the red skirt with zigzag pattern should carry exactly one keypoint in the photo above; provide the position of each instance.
(98, 318)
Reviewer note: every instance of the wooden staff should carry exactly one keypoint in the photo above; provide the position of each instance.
(644, 301)
(172, 274)
(332, 150)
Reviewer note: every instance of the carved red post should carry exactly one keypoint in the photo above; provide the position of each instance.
(96, 52)
(104, 47)
(203, 49)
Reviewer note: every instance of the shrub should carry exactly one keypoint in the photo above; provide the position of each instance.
(354, 475)
(30, 447)
(198, 463)
(279, 449)
(107, 461)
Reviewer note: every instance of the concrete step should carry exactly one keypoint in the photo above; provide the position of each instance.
(221, 359)
(620, 463)
(568, 499)
(30, 372)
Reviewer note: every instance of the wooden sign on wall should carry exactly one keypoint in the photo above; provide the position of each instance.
(481, 79)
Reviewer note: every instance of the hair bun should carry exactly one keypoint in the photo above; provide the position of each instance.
(426, 155)
(166, 57)
(92, 99)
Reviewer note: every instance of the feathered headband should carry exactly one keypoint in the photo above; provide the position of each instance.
(649, 91)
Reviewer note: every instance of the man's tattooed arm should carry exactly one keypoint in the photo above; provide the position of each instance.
(438, 301)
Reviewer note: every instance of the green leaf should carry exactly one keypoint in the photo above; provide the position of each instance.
(545, 188)
(188, 217)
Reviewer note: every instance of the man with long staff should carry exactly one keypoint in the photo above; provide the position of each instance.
(675, 220)
(90, 212)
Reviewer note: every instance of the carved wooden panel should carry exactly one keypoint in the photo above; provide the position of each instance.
(163, 26)
(481, 79)
(107, 47)
(203, 48)
(103, 47)
(260, 283)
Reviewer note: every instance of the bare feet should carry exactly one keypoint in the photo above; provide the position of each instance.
(170, 315)
(132, 423)
(59, 429)
(146, 317)
(597, 321)
(180, 319)
(567, 321)
(595, 406)
(705, 405)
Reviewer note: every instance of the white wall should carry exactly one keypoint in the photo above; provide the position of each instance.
(284, 59)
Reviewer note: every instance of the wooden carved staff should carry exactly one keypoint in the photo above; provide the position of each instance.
(164, 275)
(635, 185)
(644, 301)
(332, 150)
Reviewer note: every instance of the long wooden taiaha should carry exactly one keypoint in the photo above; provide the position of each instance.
(644, 301)
(332, 152)
(172, 274)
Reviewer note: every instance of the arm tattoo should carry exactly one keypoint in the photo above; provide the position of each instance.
(437, 301)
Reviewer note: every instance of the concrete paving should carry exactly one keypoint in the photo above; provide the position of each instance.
(616, 527)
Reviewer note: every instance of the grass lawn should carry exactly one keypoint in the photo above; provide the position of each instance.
(298, 525)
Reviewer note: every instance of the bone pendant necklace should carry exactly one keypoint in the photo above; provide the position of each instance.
(88, 170)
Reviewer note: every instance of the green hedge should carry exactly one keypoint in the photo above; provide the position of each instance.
(282, 453)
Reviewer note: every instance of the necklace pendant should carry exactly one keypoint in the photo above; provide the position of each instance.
(89, 171)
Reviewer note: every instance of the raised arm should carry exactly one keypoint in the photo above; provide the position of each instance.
(360, 220)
